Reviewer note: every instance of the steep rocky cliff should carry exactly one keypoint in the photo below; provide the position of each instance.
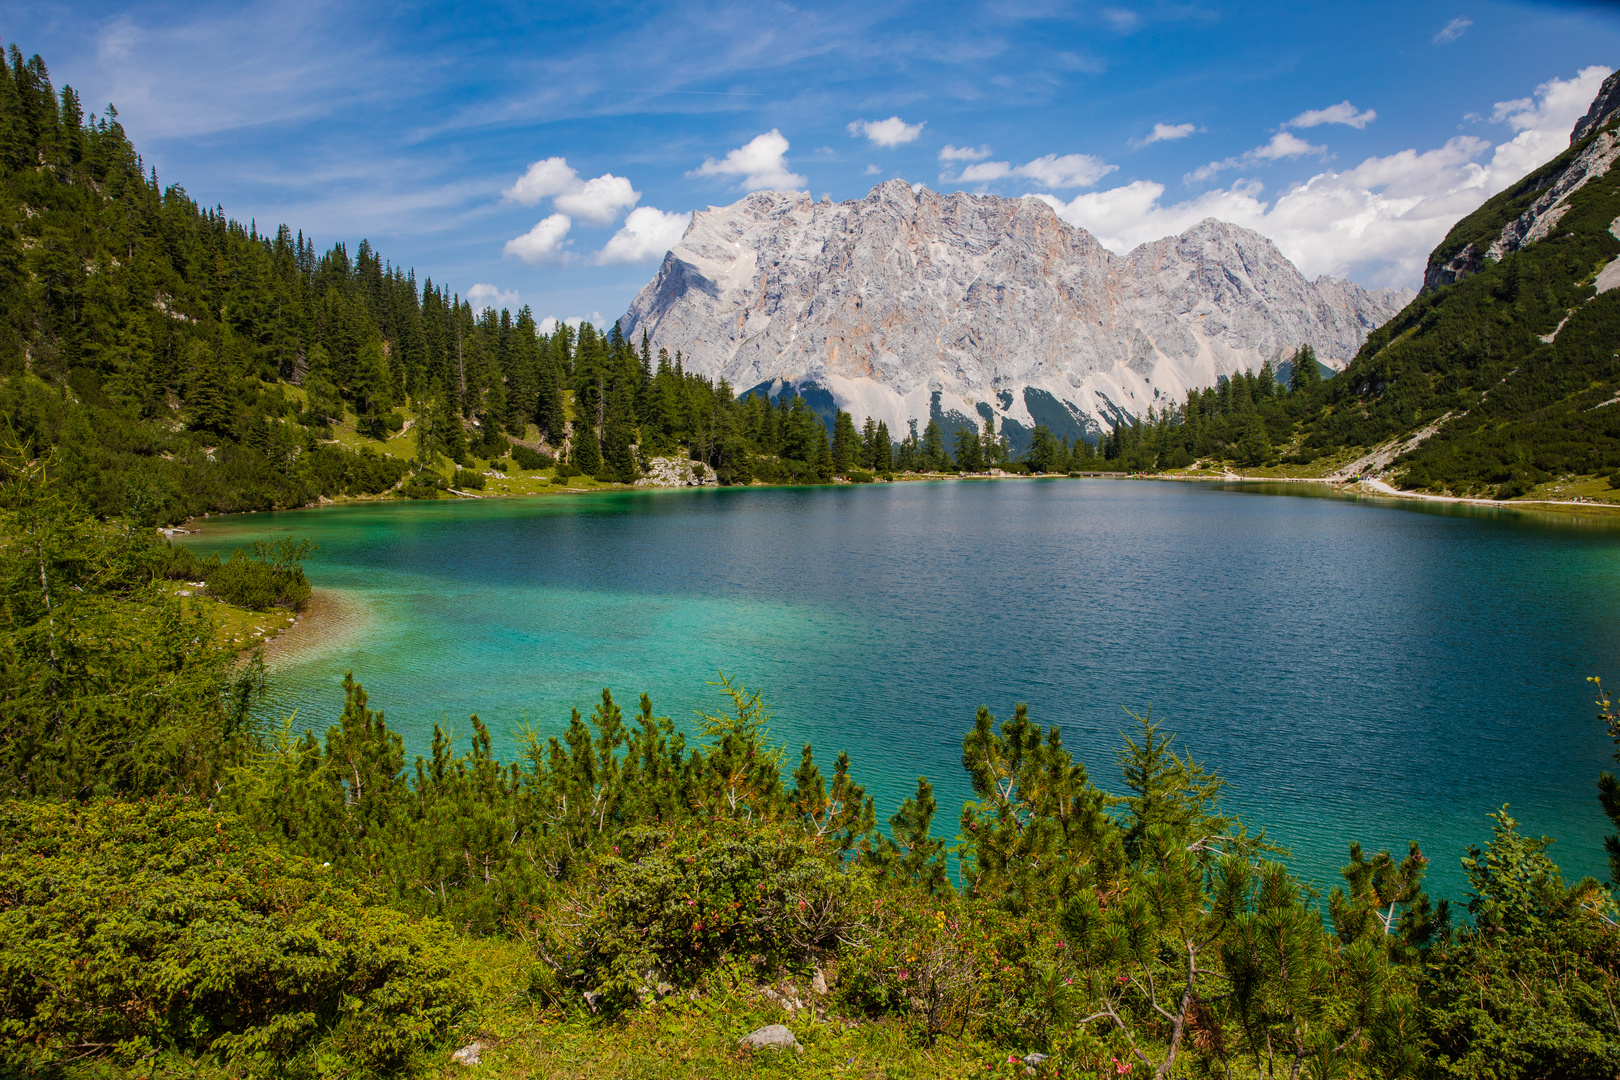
(909, 303)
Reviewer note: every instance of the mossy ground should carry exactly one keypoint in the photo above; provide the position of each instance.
(686, 1036)
(235, 628)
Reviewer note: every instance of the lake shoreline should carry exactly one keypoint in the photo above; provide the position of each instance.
(1369, 487)
(327, 618)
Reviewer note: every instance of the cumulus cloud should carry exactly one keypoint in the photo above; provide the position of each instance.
(873, 170)
(544, 242)
(1452, 30)
(1282, 145)
(1070, 170)
(647, 234)
(483, 297)
(597, 201)
(891, 132)
(1378, 220)
(963, 153)
(1543, 122)
(553, 176)
(1342, 113)
(760, 164)
(1168, 133)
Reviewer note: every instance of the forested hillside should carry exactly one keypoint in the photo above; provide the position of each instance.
(184, 362)
(1499, 380)
(186, 890)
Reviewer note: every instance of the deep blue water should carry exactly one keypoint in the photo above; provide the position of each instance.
(1355, 669)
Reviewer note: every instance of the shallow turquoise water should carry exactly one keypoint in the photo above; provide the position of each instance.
(1357, 670)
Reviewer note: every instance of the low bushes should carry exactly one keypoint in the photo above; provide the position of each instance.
(672, 903)
(466, 479)
(273, 576)
(135, 927)
(531, 459)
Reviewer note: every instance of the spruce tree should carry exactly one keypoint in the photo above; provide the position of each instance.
(1306, 373)
(933, 447)
(882, 449)
(207, 398)
(846, 443)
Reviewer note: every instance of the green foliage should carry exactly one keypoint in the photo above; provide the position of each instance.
(134, 927)
(272, 577)
(1037, 828)
(107, 684)
(530, 459)
(666, 905)
(468, 480)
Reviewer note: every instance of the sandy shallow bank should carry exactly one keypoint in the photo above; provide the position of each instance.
(331, 619)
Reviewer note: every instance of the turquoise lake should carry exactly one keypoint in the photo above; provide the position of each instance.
(1356, 669)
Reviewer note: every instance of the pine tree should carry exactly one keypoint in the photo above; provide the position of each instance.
(969, 451)
(846, 444)
(933, 447)
(207, 398)
(1306, 373)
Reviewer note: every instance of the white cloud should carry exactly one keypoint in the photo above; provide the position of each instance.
(1122, 20)
(573, 321)
(553, 176)
(1543, 123)
(760, 164)
(963, 153)
(1342, 113)
(891, 132)
(597, 201)
(543, 243)
(1168, 133)
(1377, 221)
(873, 170)
(647, 234)
(547, 325)
(1070, 170)
(489, 296)
(1452, 30)
(1282, 145)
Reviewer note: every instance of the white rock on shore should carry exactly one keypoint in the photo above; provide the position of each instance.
(668, 472)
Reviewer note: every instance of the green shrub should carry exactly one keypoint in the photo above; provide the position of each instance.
(127, 928)
(467, 479)
(272, 577)
(861, 476)
(531, 459)
(672, 903)
(380, 426)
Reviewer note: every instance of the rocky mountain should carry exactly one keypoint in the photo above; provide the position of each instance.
(909, 303)
(1532, 208)
(1503, 378)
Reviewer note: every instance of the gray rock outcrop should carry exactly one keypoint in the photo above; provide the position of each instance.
(771, 1036)
(1605, 107)
(909, 303)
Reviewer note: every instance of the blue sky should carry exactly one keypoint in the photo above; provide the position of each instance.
(1352, 134)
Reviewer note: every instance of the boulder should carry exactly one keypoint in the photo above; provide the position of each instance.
(772, 1035)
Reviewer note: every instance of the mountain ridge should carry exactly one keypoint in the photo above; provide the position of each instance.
(908, 303)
